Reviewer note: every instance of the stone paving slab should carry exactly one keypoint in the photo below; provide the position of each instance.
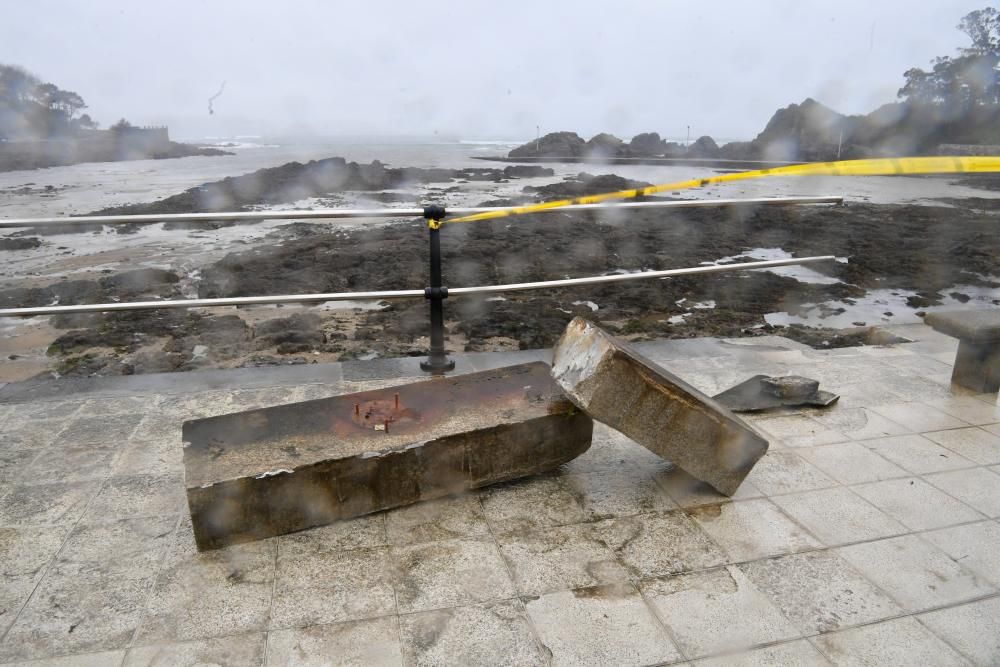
(834, 555)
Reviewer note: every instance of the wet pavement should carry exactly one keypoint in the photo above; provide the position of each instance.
(867, 534)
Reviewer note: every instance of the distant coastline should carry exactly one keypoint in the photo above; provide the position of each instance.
(100, 147)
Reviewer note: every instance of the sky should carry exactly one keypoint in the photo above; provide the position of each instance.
(473, 69)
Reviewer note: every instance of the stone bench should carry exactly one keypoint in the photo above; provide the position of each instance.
(977, 364)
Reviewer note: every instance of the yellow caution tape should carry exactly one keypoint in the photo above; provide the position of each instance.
(878, 167)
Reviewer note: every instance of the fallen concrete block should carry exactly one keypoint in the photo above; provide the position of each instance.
(616, 385)
(276, 470)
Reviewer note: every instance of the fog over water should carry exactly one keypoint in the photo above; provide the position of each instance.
(474, 70)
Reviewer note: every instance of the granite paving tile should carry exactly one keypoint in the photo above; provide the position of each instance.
(916, 504)
(138, 495)
(46, 504)
(799, 653)
(715, 611)
(918, 417)
(915, 573)
(751, 529)
(978, 488)
(449, 573)
(429, 521)
(24, 554)
(819, 591)
(319, 586)
(372, 642)
(545, 560)
(974, 444)
(496, 633)
(72, 464)
(851, 463)
(858, 423)
(232, 651)
(211, 594)
(838, 516)
(652, 545)
(917, 454)
(531, 503)
(975, 545)
(622, 492)
(784, 471)
(600, 626)
(973, 629)
(901, 641)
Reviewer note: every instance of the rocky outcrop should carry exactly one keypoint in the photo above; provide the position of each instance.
(585, 184)
(604, 145)
(647, 144)
(554, 144)
(704, 148)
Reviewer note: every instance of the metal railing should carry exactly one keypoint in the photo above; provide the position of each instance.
(339, 213)
(437, 361)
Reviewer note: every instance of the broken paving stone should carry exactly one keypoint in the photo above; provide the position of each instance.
(790, 386)
(277, 470)
(621, 388)
(766, 393)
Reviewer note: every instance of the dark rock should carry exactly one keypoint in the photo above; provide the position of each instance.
(647, 144)
(585, 185)
(554, 144)
(604, 145)
(704, 148)
(19, 243)
(527, 171)
(138, 282)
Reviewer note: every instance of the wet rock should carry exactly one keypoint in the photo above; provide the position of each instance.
(272, 471)
(19, 243)
(617, 386)
(604, 145)
(527, 171)
(704, 148)
(647, 144)
(585, 184)
(554, 144)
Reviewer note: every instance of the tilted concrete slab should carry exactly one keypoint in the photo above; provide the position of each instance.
(276, 470)
(617, 386)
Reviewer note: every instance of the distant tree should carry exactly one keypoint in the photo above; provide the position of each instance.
(122, 124)
(31, 108)
(972, 77)
(85, 122)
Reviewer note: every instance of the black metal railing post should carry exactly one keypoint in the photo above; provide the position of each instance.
(437, 360)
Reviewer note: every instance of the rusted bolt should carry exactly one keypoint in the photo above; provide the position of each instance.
(357, 408)
(386, 425)
(397, 401)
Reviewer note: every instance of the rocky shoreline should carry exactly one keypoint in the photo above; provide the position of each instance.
(921, 249)
(806, 132)
(24, 155)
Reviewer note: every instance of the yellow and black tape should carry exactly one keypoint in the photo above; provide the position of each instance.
(877, 167)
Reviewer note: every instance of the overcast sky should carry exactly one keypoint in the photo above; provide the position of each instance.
(482, 70)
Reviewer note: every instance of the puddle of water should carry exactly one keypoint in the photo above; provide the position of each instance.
(882, 306)
(803, 274)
